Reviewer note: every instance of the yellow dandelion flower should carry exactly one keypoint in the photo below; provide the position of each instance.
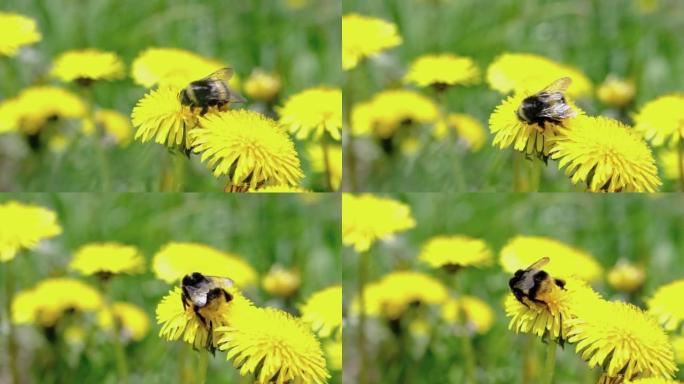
(105, 259)
(23, 226)
(179, 322)
(35, 106)
(313, 111)
(666, 305)
(333, 350)
(115, 124)
(467, 128)
(281, 282)
(522, 251)
(606, 155)
(173, 67)
(392, 295)
(323, 311)
(552, 319)
(87, 65)
(661, 120)
(51, 298)
(176, 260)
(249, 147)
(388, 110)
(626, 277)
(442, 71)
(16, 31)
(273, 346)
(478, 315)
(454, 252)
(364, 36)
(132, 321)
(623, 340)
(531, 139)
(261, 85)
(367, 218)
(616, 92)
(678, 345)
(652, 380)
(522, 71)
(9, 115)
(315, 154)
(670, 162)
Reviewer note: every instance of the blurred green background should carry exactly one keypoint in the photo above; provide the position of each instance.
(300, 43)
(643, 230)
(262, 229)
(632, 39)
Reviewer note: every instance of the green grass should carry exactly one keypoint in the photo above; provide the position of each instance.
(295, 231)
(598, 37)
(639, 229)
(302, 46)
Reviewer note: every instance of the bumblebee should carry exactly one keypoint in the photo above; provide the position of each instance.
(204, 294)
(533, 283)
(211, 91)
(547, 106)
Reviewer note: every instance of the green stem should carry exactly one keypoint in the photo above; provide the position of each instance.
(518, 179)
(441, 98)
(469, 354)
(202, 367)
(351, 165)
(363, 353)
(326, 163)
(102, 162)
(681, 163)
(535, 175)
(550, 366)
(529, 359)
(119, 352)
(11, 342)
(185, 373)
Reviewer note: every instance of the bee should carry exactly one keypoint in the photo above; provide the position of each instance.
(533, 283)
(548, 105)
(211, 91)
(205, 294)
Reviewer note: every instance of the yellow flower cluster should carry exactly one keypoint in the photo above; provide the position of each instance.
(388, 110)
(364, 36)
(442, 70)
(616, 92)
(466, 127)
(23, 226)
(322, 310)
(281, 282)
(85, 66)
(477, 315)
(453, 252)
(626, 277)
(131, 321)
(313, 112)
(666, 305)
(316, 156)
(35, 106)
(661, 120)
(107, 258)
(16, 31)
(262, 86)
(367, 219)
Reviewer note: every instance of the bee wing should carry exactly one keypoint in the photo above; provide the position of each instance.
(557, 110)
(221, 281)
(561, 85)
(223, 74)
(539, 263)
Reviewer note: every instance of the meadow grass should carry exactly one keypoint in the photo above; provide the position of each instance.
(262, 229)
(301, 45)
(644, 230)
(598, 37)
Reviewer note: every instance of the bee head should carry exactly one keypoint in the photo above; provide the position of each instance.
(183, 97)
(194, 279)
(540, 276)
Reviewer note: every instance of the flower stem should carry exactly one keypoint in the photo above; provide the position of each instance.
(535, 175)
(102, 162)
(121, 365)
(350, 165)
(202, 367)
(469, 354)
(363, 353)
(550, 366)
(326, 163)
(518, 180)
(681, 164)
(11, 342)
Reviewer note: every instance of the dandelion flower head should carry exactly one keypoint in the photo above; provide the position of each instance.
(367, 219)
(316, 156)
(606, 155)
(666, 305)
(115, 124)
(281, 282)
(23, 226)
(442, 70)
(35, 106)
(175, 260)
(466, 127)
(477, 315)
(388, 110)
(323, 311)
(523, 251)
(453, 252)
(364, 36)
(50, 299)
(333, 350)
(623, 340)
(522, 71)
(678, 345)
(669, 161)
(107, 258)
(261, 85)
(16, 31)
(313, 112)
(273, 347)
(397, 291)
(616, 92)
(661, 120)
(248, 147)
(652, 380)
(132, 321)
(87, 65)
(626, 277)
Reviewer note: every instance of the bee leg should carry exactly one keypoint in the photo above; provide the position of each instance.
(541, 302)
(204, 110)
(199, 315)
(560, 283)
